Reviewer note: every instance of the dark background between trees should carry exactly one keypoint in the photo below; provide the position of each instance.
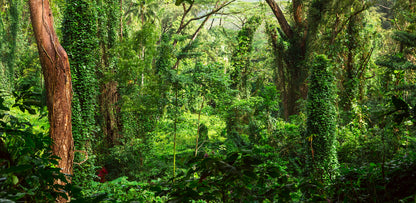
(208, 101)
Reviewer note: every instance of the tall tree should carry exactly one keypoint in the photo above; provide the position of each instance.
(298, 36)
(358, 54)
(348, 40)
(321, 124)
(108, 23)
(241, 55)
(81, 43)
(57, 74)
(15, 13)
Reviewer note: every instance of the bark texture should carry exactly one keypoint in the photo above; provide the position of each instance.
(56, 71)
(281, 18)
(110, 111)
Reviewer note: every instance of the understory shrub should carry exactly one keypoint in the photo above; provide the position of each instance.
(392, 181)
(27, 166)
(118, 190)
(247, 176)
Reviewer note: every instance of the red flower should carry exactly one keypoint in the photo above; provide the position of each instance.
(102, 173)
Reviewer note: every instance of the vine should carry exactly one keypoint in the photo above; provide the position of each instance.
(15, 13)
(241, 55)
(321, 122)
(80, 41)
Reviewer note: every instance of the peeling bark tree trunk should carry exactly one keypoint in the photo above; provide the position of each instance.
(56, 71)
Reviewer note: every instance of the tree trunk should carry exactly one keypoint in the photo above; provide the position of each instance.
(109, 95)
(15, 14)
(110, 111)
(56, 71)
(294, 74)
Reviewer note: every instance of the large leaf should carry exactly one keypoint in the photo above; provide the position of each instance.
(399, 103)
(16, 169)
(2, 107)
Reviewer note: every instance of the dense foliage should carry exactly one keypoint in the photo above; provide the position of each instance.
(80, 41)
(216, 101)
(322, 160)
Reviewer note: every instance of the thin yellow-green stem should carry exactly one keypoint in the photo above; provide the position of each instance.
(174, 134)
(198, 126)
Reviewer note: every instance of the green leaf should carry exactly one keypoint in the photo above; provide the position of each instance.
(15, 180)
(16, 169)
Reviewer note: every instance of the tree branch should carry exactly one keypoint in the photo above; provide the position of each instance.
(349, 18)
(185, 12)
(298, 11)
(281, 18)
(208, 14)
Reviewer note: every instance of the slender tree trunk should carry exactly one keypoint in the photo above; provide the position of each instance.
(57, 74)
(15, 14)
(109, 97)
(198, 126)
(121, 20)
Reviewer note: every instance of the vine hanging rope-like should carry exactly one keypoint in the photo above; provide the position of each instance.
(85, 154)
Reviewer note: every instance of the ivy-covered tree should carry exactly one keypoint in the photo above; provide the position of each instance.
(15, 18)
(108, 30)
(241, 55)
(321, 121)
(296, 41)
(80, 40)
(298, 37)
(349, 40)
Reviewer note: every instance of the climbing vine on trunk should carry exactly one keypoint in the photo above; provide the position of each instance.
(80, 41)
(321, 122)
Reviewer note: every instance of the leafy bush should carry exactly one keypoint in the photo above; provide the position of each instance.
(392, 181)
(238, 176)
(27, 171)
(286, 138)
(118, 190)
